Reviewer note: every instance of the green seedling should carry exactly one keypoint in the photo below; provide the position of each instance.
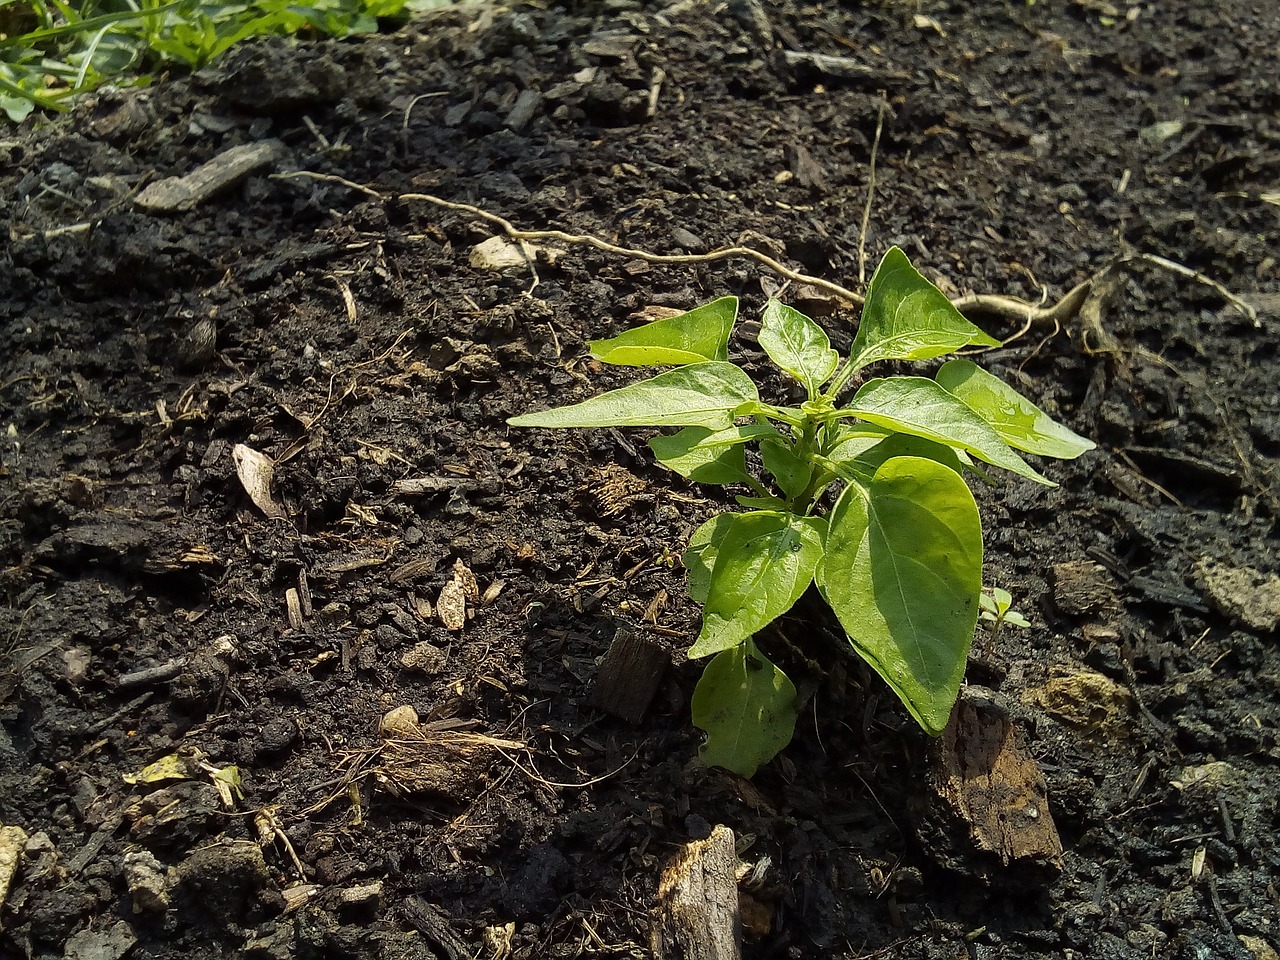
(997, 608)
(864, 497)
(53, 50)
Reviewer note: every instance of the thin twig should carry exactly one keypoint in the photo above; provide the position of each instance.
(871, 192)
(1184, 271)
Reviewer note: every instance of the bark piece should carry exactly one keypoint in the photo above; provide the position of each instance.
(12, 841)
(697, 917)
(177, 194)
(993, 793)
(1245, 594)
(629, 675)
(433, 923)
(1083, 587)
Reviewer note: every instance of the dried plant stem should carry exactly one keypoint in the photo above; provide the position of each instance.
(971, 305)
(871, 192)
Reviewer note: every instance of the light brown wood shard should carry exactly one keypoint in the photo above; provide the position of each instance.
(177, 194)
(697, 914)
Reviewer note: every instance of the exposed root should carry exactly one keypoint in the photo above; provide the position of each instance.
(1012, 309)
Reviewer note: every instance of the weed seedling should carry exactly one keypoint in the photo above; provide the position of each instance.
(863, 496)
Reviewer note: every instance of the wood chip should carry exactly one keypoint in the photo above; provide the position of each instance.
(177, 194)
(452, 604)
(294, 604)
(501, 254)
(697, 917)
(256, 471)
(1084, 587)
(12, 842)
(629, 675)
(1244, 594)
(994, 792)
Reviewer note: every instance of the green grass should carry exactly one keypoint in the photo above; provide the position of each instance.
(53, 50)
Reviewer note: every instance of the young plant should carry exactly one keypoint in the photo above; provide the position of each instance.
(866, 496)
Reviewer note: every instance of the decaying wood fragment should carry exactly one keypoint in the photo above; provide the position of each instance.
(629, 675)
(433, 923)
(993, 793)
(177, 194)
(697, 916)
(12, 841)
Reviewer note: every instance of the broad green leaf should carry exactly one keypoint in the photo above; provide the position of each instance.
(906, 317)
(685, 453)
(699, 395)
(792, 473)
(1020, 423)
(922, 408)
(700, 334)
(763, 564)
(798, 345)
(903, 573)
(700, 556)
(864, 452)
(747, 707)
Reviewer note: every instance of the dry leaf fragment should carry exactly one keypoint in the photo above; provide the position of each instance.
(255, 471)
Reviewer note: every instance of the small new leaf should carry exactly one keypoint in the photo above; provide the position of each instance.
(747, 707)
(903, 573)
(699, 395)
(700, 334)
(764, 562)
(864, 453)
(798, 345)
(1020, 423)
(906, 317)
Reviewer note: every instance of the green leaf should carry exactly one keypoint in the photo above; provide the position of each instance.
(798, 345)
(922, 408)
(747, 707)
(791, 472)
(761, 503)
(739, 434)
(699, 395)
(903, 573)
(685, 453)
(1020, 423)
(763, 564)
(700, 556)
(700, 334)
(864, 451)
(906, 317)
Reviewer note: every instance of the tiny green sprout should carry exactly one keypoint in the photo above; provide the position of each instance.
(997, 608)
(863, 496)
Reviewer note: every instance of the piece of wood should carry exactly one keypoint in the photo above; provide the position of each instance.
(697, 916)
(433, 923)
(177, 194)
(993, 793)
(629, 675)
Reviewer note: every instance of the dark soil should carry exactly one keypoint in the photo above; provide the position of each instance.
(146, 596)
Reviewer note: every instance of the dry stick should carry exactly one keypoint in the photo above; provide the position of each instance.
(871, 192)
(1008, 308)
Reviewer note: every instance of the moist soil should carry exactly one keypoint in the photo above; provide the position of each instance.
(154, 609)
